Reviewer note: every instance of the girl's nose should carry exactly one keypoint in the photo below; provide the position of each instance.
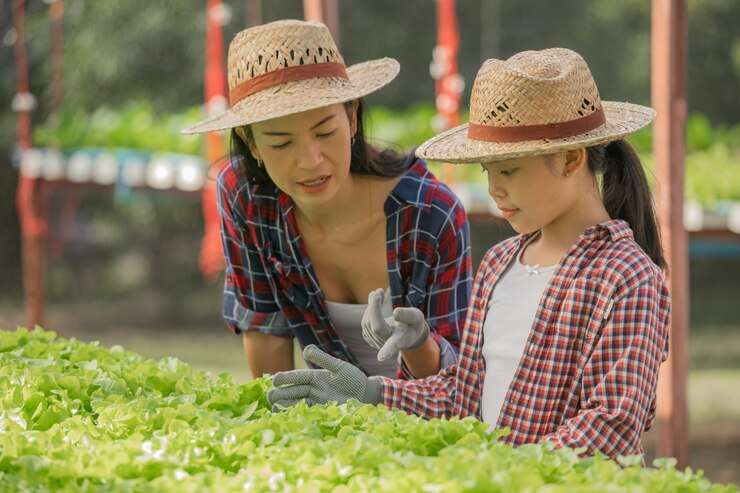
(494, 189)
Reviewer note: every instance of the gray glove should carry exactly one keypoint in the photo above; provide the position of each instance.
(405, 329)
(337, 382)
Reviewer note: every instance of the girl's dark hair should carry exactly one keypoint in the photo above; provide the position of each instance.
(626, 193)
(366, 159)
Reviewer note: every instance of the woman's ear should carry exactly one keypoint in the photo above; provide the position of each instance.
(248, 140)
(352, 115)
(575, 160)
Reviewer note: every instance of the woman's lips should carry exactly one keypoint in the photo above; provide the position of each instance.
(314, 185)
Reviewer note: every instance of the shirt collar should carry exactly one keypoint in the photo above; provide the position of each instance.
(413, 188)
(613, 229)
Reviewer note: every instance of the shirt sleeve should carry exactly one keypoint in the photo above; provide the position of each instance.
(435, 396)
(430, 397)
(449, 284)
(620, 377)
(249, 301)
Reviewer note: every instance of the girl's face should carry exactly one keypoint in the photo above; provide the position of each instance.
(307, 155)
(534, 191)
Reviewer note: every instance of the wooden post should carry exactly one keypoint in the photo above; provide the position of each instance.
(254, 13)
(669, 46)
(30, 196)
(56, 12)
(326, 11)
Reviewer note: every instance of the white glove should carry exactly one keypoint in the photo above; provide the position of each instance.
(405, 329)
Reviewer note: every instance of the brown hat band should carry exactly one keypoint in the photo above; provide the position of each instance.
(536, 132)
(287, 74)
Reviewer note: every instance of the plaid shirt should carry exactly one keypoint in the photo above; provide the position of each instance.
(271, 286)
(589, 371)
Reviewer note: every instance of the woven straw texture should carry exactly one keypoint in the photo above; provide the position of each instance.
(534, 88)
(290, 43)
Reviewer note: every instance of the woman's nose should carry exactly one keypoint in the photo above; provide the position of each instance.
(310, 153)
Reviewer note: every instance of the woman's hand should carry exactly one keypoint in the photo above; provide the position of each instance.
(406, 329)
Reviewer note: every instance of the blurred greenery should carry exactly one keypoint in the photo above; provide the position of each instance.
(135, 126)
(119, 52)
(712, 161)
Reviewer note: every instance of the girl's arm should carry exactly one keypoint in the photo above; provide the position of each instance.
(620, 378)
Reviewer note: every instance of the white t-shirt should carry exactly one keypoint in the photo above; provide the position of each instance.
(509, 319)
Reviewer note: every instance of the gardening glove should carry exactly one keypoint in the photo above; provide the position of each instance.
(337, 381)
(405, 329)
(376, 328)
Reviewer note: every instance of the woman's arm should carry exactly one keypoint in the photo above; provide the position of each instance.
(267, 353)
(448, 292)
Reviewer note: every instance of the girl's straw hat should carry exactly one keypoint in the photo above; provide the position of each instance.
(536, 102)
(290, 66)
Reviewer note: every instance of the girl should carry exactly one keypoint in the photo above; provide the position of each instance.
(314, 218)
(567, 325)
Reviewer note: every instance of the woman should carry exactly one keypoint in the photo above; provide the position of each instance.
(568, 322)
(314, 218)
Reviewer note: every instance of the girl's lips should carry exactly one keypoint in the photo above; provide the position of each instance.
(507, 213)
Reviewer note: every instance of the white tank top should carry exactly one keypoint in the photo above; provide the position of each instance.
(346, 319)
(509, 319)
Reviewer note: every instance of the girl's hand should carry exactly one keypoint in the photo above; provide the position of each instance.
(336, 381)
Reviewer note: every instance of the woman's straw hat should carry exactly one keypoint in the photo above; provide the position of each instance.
(536, 102)
(290, 66)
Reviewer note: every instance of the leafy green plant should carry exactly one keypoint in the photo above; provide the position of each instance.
(75, 416)
(136, 126)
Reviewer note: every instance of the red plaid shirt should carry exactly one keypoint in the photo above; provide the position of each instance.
(271, 286)
(589, 371)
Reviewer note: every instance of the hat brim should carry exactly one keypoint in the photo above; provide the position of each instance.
(454, 146)
(298, 96)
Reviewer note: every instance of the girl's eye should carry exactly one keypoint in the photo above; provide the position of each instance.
(281, 146)
(326, 134)
(507, 172)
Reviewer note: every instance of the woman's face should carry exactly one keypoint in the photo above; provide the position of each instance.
(307, 155)
(534, 191)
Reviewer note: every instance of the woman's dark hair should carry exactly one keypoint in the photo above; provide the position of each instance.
(366, 159)
(626, 193)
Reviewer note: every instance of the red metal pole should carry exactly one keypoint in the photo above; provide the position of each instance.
(29, 195)
(448, 83)
(669, 46)
(211, 258)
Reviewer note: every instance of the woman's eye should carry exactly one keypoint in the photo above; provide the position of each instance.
(507, 172)
(280, 146)
(326, 134)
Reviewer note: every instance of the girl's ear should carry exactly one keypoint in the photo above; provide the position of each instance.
(248, 140)
(575, 160)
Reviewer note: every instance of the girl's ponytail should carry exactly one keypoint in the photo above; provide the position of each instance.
(626, 193)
